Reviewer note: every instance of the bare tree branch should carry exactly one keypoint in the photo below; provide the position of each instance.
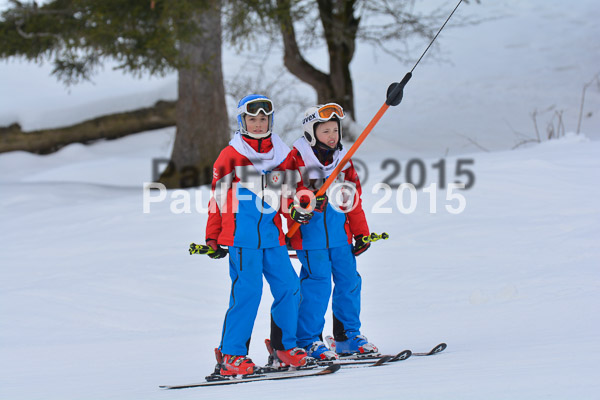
(474, 142)
(596, 80)
(293, 59)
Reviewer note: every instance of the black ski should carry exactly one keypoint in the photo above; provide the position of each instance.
(350, 363)
(372, 360)
(403, 355)
(216, 380)
(437, 349)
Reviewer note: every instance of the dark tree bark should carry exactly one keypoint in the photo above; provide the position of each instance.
(202, 127)
(340, 27)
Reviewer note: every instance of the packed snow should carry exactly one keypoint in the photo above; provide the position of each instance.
(101, 300)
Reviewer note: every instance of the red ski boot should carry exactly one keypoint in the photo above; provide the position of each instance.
(234, 365)
(295, 357)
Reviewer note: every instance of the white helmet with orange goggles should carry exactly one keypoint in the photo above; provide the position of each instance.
(253, 105)
(321, 113)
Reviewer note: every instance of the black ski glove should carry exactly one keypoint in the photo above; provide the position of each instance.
(321, 202)
(299, 215)
(219, 251)
(360, 246)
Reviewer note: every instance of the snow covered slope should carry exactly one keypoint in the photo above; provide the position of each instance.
(99, 300)
(102, 301)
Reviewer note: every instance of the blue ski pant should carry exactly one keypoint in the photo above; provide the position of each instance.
(318, 266)
(246, 269)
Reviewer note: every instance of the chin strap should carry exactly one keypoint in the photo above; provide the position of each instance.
(255, 136)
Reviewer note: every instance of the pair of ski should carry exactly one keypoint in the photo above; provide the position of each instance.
(315, 368)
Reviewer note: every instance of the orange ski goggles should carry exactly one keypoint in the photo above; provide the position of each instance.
(326, 112)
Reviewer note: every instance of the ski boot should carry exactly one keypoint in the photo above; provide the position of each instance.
(295, 357)
(355, 345)
(318, 350)
(234, 365)
(283, 359)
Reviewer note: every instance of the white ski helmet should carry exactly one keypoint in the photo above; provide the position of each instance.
(253, 104)
(321, 113)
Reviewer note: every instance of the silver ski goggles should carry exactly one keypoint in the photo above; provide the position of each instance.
(254, 107)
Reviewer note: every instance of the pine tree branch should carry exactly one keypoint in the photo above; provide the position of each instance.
(19, 27)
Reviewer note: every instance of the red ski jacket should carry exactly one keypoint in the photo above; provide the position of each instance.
(244, 209)
(342, 219)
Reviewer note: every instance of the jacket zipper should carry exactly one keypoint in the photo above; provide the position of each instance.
(325, 224)
(262, 185)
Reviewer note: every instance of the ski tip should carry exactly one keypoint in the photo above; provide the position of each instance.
(331, 368)
(382, 361)
(439, 348)
(403, 355)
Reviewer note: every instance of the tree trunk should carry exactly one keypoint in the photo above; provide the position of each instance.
(202, 127)
(112, 126)
(293, 59)
(340, 29)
